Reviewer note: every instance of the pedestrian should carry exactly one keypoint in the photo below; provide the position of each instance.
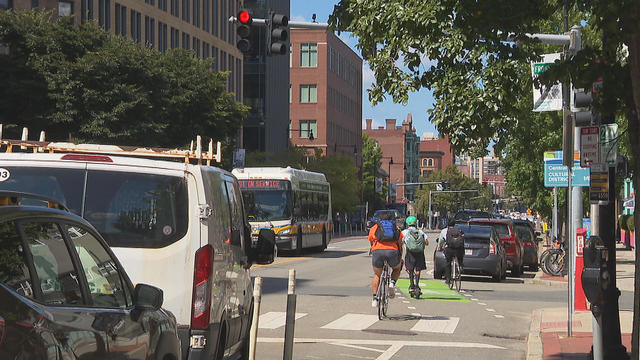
(415, 240)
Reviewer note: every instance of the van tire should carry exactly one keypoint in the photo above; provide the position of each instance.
(222, 340)
(244, 350)
(299, 241)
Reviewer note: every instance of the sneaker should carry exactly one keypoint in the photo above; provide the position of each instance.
(392, 290)
(374, 302)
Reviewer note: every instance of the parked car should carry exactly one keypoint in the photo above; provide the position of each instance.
(510, 241)
(178, 225)
(463, 216)
(397, 218)
(63, 292)
(525, 231)
(483, 253)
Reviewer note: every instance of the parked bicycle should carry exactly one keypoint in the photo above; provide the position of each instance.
(552, 261)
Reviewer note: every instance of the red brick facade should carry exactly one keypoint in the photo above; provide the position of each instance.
(337, 77)
(435, 154)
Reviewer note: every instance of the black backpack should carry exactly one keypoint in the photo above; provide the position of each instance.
(387, 231)
(455, 238)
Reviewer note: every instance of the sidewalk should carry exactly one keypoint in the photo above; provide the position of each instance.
(548, 338)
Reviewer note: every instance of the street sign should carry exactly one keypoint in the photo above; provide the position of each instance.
(609, 144)
(556, 174)
(549, 98)
(589, 145)
(599, 188)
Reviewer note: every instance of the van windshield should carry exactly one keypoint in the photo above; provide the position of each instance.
(128, 209)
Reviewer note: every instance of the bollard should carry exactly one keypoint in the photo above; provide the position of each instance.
(253, 335)
(291, 317)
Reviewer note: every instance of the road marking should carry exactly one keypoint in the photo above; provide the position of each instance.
(405, 302)
(453, 344)
(416, 314)
(275, 319)
(481, 303)
(437, 324)
(282, 261)
(411, 307)
(474, 299)
(358, 347)
(352, 322)
(467, 295)
(499, 316)
(491, 310)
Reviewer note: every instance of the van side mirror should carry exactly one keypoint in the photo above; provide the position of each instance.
(263, 250)
(147, 297)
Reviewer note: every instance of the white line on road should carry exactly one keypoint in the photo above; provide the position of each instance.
(437, 324)
(275, 319)
(416, 314)
(352, 322)
(390, 352)
(481, 303)
(499, 316)
(411, 307)
(453, 344)
(491, 310)
(474, 299)
(405, 302)
(357, 347)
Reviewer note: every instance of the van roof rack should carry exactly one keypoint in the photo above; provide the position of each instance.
(9, 145)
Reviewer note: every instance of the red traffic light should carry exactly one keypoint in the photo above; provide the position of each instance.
(245, 17)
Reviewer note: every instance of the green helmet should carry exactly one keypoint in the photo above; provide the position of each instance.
(412, 221)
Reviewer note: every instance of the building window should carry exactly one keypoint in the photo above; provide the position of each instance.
(430, 163)
(186, 39)
(162, 5)
(162, 36)
(290, 132)
(308, 127)
(308, 94)
(196, 46)
(214, 18)
(186, 15)
(136, 26)
(175, 8)
(104, 14)
(205, 50)
(149, 32)
(309, 55)
(238, 80)
(65, 8)
(6, 4)
(150, 2)
(175, 38)
(196, 13)
(206, 15)
(290, 94)
(424, 162)
(290, 55)
(90, 15)
(121, 20)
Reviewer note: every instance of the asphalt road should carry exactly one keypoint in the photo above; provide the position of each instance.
(335, 320)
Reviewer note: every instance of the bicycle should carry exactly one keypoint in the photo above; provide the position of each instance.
(455, 279)
(383, 291)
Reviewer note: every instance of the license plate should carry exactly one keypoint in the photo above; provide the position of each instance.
(468, 251)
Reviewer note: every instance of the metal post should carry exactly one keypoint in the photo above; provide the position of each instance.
(596, 321)
(430, 212)
(290, 317)
(253, 335)
(555, 213)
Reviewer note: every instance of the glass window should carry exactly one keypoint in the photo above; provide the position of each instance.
(137, 210)
(13, 268)
(6, 4)
(58, 279)
(106, 285)
(309, 55)
(65, 8)
(290, 94)
(308, 127)
(308, 94)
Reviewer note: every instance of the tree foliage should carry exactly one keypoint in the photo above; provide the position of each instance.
(451, 202)
(78, 81)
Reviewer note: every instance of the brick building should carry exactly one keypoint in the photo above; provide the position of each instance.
(485, 168)
(435, 153)
(200, 25)
(325, 94)
(401, 144)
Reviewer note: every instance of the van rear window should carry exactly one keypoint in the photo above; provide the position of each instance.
(128, 209)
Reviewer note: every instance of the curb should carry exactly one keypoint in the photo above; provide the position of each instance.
(534, 341)
(539, 281)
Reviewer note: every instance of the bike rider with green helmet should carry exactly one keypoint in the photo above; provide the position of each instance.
(415, 240)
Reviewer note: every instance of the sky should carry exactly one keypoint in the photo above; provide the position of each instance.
(419, 102)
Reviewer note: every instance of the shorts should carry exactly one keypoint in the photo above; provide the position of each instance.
(379, 256)
(415, 261)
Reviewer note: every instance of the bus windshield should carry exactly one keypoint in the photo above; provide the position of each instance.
(266, 200)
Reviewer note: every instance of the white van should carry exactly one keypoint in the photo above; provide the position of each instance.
(172, 224)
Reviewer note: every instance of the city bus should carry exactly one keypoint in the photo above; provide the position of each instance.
(295, 203)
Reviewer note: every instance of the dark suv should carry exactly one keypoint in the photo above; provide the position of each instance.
(62, 291)
(463, 216)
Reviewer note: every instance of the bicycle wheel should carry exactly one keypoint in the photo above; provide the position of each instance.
(555, 263)
(542, 260)
(452, 276)
(385, 303)
(382, 291)
(458, 278)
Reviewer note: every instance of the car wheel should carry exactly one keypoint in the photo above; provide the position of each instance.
(516, 271)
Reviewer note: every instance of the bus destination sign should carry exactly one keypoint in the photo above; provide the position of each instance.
(263, 184)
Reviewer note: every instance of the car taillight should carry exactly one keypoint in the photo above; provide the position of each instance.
(84, 157)
(528, 244)
(492, 248)
(201, 299)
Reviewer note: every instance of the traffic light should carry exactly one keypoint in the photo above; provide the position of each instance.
(584, 100)
(278, 34)
(244, 30)
(484, 183)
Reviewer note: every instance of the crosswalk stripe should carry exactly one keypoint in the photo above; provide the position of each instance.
(352, 322)
(275, 319)
(437, 324)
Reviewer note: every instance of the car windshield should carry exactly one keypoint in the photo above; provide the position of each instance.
(267, 205)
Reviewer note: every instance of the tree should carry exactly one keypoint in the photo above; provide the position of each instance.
(451, 202)
(81, 82)
(458, 50)
(371, 156)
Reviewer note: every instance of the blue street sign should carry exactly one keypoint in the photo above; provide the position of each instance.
(556, 174)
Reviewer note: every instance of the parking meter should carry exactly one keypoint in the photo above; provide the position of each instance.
(595, 275)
